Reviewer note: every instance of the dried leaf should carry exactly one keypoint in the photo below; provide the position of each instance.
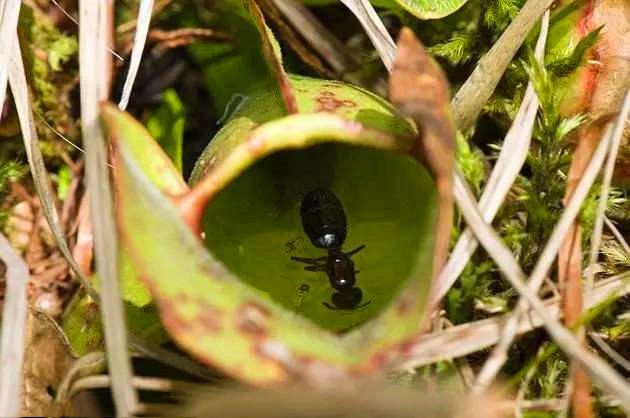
(419, 89)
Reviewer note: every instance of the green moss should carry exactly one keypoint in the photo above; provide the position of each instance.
(499, 13)
(459, 49)
(471, 162)
(47, 53)
(10, 171)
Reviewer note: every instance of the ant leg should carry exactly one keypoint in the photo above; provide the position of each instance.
(329, 306)
(309, 260)
(364, 305)
(356, 250)
(318, 267)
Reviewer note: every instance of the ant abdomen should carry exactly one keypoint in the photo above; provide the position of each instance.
(323, 219)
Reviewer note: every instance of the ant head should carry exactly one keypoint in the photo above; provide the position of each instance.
(348, 299)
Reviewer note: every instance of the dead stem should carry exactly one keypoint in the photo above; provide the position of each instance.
(95, 68)
(12, 339)
(375, 30)
(317, 35)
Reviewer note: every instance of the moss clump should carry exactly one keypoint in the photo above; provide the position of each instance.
(48, 54)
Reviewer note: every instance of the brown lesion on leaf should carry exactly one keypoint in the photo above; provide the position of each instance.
(171, 319)
(307, 369)
(210, 318)
(405, 304)
(252, 318)
(383, 359)
(327, 101)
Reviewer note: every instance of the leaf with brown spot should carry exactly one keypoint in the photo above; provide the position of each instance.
(362, 145)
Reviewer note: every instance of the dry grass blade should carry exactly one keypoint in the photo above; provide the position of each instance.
(499, 354)
(170, 358)
(375, 30)
(617, 235)
(9, 13)
(317, 35)
(369, 401)
(90, 364)
(511, 159)
(491, 241)
(470, 337)
(131, 24)
(94, 76)
(142, 28)
(19, 88)
(596, 236)
(141, 383)
(618, 358)
(524, 386)
(13, 330)
(478, 88)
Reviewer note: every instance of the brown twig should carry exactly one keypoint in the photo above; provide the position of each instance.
(294, 42)
(185, 36)
(317, 35)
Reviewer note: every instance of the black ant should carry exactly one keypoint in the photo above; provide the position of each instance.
(324, 221)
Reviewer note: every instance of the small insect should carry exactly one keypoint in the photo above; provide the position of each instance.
(291, 245)
(324, 221)
(301, 294)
